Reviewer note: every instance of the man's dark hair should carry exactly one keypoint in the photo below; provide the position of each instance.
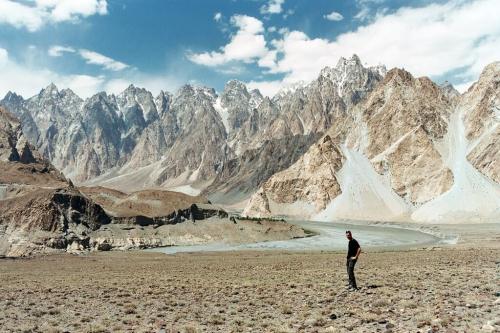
(348, 232)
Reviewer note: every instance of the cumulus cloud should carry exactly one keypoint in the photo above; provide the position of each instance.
(33, 15)
(95, 58)
(28, 80)
(246, 45)
(334, 16)
(68, 10)
(272, 7)
(58, 50)
(433, 40)
(217, 17)
(267, 88)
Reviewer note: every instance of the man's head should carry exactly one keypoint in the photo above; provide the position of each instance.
(348, 234)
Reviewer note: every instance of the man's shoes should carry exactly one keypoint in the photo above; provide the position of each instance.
(353, 289)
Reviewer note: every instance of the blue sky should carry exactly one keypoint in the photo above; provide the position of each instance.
(94, 45)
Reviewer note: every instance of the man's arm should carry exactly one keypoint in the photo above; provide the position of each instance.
(357, 254)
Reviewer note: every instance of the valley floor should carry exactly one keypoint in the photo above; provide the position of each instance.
(432, 290)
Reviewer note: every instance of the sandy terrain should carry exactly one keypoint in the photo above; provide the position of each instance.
(448, 290)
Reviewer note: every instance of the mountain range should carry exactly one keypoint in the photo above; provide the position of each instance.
(357, 142)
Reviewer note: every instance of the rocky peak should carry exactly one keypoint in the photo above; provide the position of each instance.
(70, 94)
(344, 63)
(288, 90)
(398, 76)
(449, 90)
(235, 85)
(162, 102)
(50, 91)
(12, 97)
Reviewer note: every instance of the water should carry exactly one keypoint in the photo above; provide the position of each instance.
(331, 237)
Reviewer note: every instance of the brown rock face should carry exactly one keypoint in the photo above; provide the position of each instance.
(310, 180)
(404, 118)
(482, 122)
(39, 210)
(397, 129)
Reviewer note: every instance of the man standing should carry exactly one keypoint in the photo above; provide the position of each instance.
(353, 252)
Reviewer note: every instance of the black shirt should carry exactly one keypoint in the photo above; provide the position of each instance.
(353, 248)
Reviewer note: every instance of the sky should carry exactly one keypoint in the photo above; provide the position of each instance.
(105, 45)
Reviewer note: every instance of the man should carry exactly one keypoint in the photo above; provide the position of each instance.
(353, 253)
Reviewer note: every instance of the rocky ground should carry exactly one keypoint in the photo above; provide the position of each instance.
(443, 290)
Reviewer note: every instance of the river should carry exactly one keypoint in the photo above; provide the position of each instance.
(330, 236)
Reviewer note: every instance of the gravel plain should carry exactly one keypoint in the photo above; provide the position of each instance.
(429, 290)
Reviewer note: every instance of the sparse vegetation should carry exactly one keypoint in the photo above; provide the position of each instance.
(250, 291)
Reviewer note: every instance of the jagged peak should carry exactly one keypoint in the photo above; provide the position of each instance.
(352, 61)
(235, 84)
(448, 89)
(70, 93)
(12, 96)
(195, 89)
(255, 93)
(133, 90)
(164, 95)
(100, 97)
(379, 69)
(398, 75)
(51, 87)
(490, 71)
(290, 89)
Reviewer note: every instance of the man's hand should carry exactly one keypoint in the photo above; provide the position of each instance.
(354, 258)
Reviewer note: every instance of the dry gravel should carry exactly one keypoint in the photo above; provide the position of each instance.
(444, 290)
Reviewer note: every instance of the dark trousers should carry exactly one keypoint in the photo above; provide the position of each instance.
(350, 272)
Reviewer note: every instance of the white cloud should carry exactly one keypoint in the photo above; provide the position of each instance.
(4, 57)
(334, 16)
(95, 58)
(246, 45)
(68, 10)
(217, 17)
(33, 15)
(28, 80)
(58, 50)
(83, 85)
(20, 16)
(272, 7)
(463, 87)
(434, 40)
(267, 88)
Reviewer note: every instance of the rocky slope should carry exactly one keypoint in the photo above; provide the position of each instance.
(195, 140)
(397, 155)
(39, 210)
(356, 142)
(282, 128)
(42, 212)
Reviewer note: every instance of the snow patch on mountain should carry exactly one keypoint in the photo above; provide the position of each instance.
(223, 112)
